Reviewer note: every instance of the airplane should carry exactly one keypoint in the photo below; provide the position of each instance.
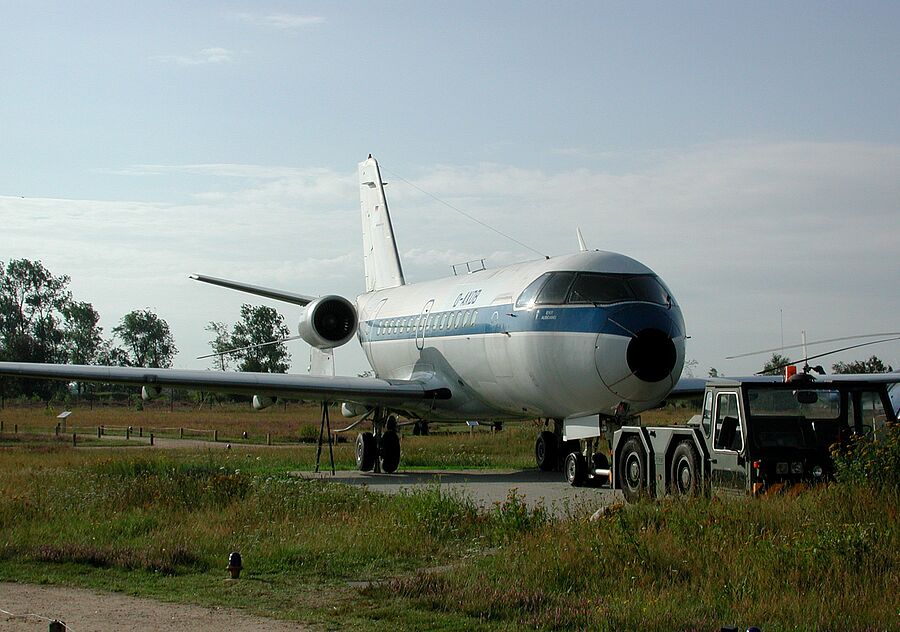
(579, 339)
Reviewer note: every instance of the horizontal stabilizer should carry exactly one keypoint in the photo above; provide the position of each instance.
(278, 295)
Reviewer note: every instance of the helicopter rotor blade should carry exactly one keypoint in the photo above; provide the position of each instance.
(827, 353)
(815, 342)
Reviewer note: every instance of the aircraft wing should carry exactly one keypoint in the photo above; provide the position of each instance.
(278, 295)
(368, 391)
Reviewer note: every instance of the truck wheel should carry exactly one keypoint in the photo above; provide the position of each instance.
(633, 469)
(545, 451)
(576, 469)
(685, 471)
(365, 451)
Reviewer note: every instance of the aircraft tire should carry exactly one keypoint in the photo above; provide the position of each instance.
(684, 474)
(633, 469)
(576, 469)
(365, 451)
(545, 451)
(390, 452)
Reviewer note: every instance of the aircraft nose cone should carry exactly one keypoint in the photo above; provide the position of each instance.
(651, 355)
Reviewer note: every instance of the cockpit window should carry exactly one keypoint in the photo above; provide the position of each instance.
(590, 287)
(556, 289)
(526, 298)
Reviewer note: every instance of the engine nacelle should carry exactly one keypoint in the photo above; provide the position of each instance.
(150, 392)
(263, 401)
(328, 322)
(349, 409)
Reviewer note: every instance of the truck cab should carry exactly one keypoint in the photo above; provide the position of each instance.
(753, 434)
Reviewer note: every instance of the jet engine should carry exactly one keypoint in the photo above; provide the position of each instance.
(262, 401)
(328, 322)
(150, 392)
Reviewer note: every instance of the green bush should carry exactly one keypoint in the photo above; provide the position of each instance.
(872, 459)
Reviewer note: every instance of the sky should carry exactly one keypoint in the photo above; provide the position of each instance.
(749, 153)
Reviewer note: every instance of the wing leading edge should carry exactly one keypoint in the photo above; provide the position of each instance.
(369, 391)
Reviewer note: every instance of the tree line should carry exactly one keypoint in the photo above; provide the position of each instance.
(41, 321)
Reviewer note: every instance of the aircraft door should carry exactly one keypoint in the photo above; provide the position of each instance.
(496, 346)
(421, 324)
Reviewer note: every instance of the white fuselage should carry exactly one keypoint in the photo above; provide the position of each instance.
(536, 359)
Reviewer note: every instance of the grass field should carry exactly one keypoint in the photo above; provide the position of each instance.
(161, 524)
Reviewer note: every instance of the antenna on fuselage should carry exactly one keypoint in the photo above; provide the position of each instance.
(581, 245)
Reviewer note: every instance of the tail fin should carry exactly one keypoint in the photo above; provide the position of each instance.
(382, 262)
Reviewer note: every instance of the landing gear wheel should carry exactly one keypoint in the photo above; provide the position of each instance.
(365, 451)
(576, 469)
(390, 452)
(684, 475)
(633, 469)
(545, 451)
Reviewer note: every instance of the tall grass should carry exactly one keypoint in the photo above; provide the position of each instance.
(163, 524)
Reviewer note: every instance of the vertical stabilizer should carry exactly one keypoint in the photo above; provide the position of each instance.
(380, 255)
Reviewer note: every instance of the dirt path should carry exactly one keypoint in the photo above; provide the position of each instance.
(90, 611)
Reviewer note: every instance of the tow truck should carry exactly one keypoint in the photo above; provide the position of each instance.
(752, 434)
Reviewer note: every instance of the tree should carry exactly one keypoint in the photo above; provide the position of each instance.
(82, 334)
(872, 365)
(260, 325)
(220, 344)
(147, 339)
(775, 365)
(32, 301)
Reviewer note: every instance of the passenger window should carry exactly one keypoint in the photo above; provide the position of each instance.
(555, 290)
(728, 423)
(473, 316)
(706, 421)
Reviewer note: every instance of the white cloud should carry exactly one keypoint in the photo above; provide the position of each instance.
(281, 21)
(740, 231)
(212, 55)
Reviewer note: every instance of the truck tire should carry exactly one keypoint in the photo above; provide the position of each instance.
(545, 451)
(633, 469)
(684, 473)
(576, 469)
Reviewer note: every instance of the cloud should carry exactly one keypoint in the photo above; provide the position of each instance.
(740, 231)
(212, 55)
(281, 21)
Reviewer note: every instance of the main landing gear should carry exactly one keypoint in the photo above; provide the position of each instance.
(550, 451)
(379, 450)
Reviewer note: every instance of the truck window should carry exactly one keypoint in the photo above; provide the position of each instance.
(707, 413)
(728, 423)
(873, 413)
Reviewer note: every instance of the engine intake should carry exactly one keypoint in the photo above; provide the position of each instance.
(328, 322)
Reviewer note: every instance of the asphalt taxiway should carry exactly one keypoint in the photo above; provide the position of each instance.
(485, 487)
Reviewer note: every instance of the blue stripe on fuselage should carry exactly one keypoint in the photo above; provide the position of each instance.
(622, 319)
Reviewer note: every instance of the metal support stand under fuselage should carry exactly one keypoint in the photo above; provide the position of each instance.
(323, 428)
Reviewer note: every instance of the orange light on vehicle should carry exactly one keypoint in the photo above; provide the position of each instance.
(789, 372)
